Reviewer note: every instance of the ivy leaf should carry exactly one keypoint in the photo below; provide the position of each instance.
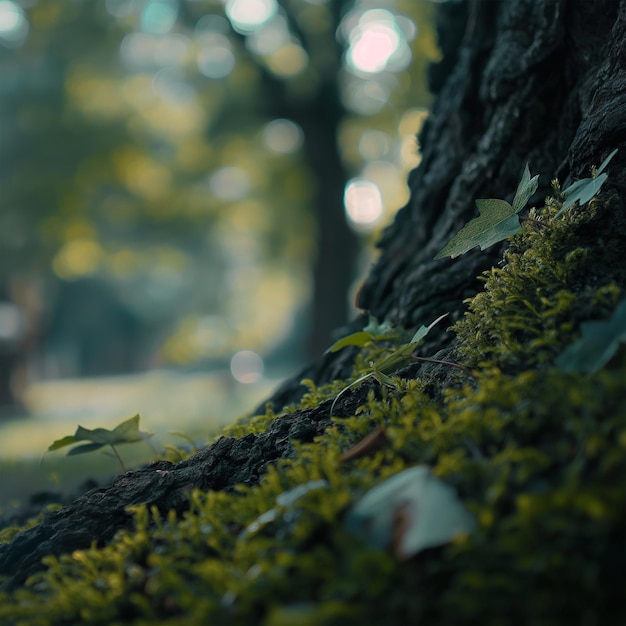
(497, 221)
(359, 339)
(84, 448)
(61, 443)
(598, 343)
(586, 188)
(526, 188)
(126, 432)
(372, 332)
(410, 512)
(396, 360)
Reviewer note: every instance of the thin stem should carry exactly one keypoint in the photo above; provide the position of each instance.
(534, 221)
(450, 363)
(119, 458)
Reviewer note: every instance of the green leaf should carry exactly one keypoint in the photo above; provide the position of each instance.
(526, 188)
(496, 221)
(606, 162)
(97, 435)
(372, 332)
(359, 339)
(128, 432)
(396, 360)
(374, 328)
(61, 443)
(84, 448)
(422, 331)
(598, 343)
(411, 511)
(586, 188)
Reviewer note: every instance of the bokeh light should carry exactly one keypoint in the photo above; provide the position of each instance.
(283, 136)
(159, 16)
(229, 183)
(248, 15)
(373, 41)
(13, 24)
(271, 36)
(363, 203)
(288, 60)
(246, 366)
(216, 58)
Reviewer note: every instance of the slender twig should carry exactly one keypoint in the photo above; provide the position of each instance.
(450, 363)
(119, 458)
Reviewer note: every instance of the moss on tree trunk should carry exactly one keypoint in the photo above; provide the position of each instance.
(536, 456)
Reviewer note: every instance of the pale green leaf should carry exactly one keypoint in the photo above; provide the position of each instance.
(411, 511)
(97, 435)
(61, 443)
(526, 188)
(496, 221)
(598, 343)
(586, 188)
(606, 162)
(582, 191)
(359, 339)
(128, 432)
(84, 448)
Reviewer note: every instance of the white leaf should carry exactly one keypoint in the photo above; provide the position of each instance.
(410, 512)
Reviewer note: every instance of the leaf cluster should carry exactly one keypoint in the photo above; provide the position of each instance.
(498, 220)
(125, 432)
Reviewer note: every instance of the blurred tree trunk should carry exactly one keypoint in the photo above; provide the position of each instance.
(320, 115)
(537, 81)
(337, 246)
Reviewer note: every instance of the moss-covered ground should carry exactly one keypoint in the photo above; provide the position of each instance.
(537, 456)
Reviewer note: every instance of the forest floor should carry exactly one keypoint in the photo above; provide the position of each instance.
(196, 404)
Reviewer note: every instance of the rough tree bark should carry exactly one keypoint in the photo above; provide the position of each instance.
(538, 81)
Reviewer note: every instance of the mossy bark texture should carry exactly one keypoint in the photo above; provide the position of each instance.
(537, 81)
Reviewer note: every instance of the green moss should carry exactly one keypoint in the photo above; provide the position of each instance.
(553, 277)
(537, 456)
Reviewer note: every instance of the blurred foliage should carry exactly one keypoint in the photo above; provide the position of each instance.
(140, 148)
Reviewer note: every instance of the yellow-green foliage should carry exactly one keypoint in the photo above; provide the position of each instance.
(539, 457)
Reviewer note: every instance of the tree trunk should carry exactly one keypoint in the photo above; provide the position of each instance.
(537, 81)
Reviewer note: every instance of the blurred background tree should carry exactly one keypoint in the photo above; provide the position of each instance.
(182, 181)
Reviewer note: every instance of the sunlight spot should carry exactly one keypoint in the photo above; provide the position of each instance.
(209, 24)
(282, 136)
(363, 203)
(288, 60)
(270, 37)
(172, 50)
(247, 15)
(377, 41)
(171, 86)
(374, 144)
(366, 97)
(159, 16)
(246, 367)
(13, 24)
(138, 49)
(80, 257)
(229, 183)
(216, 59)
(11, 322)
(371, 51)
